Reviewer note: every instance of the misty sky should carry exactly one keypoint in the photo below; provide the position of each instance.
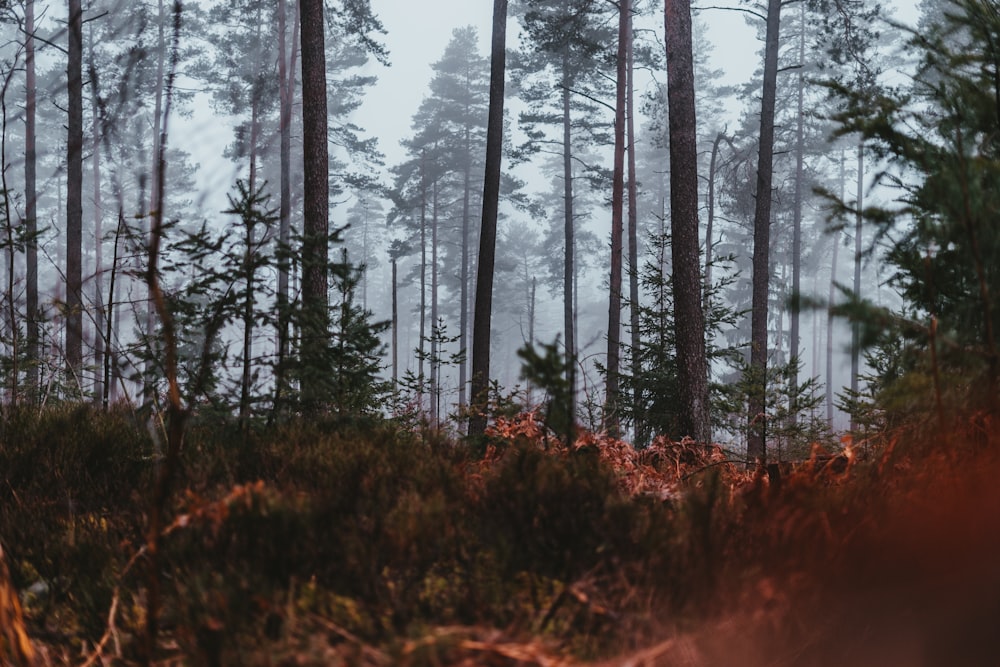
(419, 31)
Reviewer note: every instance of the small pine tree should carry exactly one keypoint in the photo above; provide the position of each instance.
(356, 351)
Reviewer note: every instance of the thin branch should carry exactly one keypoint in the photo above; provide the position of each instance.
(732, 9)
(589, 97)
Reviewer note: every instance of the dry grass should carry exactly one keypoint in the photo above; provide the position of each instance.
(376, 547)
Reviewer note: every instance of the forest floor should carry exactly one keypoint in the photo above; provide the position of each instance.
(360, 543)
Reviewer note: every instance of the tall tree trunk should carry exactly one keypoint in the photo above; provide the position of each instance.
(31, 200)
(74, 192)
(713, 168)
(833, 295)
(248, 258)
(154, 195)
(435, 333)
(858, 249)
(110, 366)
(95, 129)
(395, 326)
(286, 94)
(756, 441)
(689, 319)
(569, 271)
(611, 407)
(422, 351)
(463, 337)
(710, 223)
(364, 257)
(633, 231)
(248, 311)
(316, 172)
(800, 149)
(488, 235)
(12, 316)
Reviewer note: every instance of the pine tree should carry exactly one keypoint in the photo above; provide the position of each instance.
(941, 138)
(488, 231)
(689, 318)
(564, 45)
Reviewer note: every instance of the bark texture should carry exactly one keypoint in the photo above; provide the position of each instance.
(74, 191)
(488, 236)
(689, 319)
(756, 447)
(31, 198)
(611, 407)
(316, 195)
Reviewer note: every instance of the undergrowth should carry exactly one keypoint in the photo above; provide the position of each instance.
(316, 542)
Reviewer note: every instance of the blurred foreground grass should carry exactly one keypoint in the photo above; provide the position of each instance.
(360, 543)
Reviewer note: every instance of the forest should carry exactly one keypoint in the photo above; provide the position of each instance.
(609, 361)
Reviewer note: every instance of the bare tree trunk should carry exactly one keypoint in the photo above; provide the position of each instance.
(31, 200)
(569, 273)
(488, 235)
(74, 192)
(689, 318)
(463, 337)
(315, 329)
(756, 440)
(611, 407)
(11, 247)
(110, 322)
(710, 223)
(286, 90)
(395, 327)
(633, 231)
(364, 257)
(154, 195)
(99, 342)
(833, 295)
(248, 309)
(858, 249)
(248, 259)
(797, 219)
(422, 352)
(435, 338)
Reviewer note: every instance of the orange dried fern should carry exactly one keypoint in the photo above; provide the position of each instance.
(15, 646)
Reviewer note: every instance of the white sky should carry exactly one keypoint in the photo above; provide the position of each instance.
(419, 31)
(417, 35)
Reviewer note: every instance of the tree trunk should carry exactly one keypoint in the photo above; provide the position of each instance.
(154, 196)
(286, 90)
(248, 259)
(756, 440)
(316, 193)
(833, 295)
(689, 319)
(12, 315)
(100, 343)
(435, 332)
(710, 223)
(488, 235)
(611, 408)
(463, 337)
(422, 351)
(797, 220)
(395, 327)
(633, 231)
(569, 273)
(856, 326)
(31, 200)
(74, 192)
(248, 308)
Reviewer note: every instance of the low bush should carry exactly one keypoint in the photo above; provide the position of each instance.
(374, 538)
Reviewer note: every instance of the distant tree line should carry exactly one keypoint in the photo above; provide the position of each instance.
(334, 282)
